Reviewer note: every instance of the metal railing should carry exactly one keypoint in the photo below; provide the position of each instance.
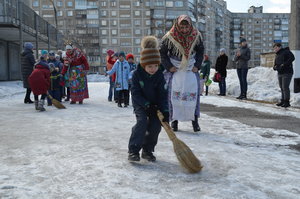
(14, 11)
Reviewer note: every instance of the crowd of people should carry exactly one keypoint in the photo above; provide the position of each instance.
(59, 75)
(169, 78)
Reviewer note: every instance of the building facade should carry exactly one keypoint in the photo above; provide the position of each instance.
(98, 25)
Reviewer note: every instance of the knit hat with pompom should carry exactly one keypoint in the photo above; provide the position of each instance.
(150, 52)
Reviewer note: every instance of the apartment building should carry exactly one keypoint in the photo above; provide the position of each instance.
(260, 30)
(98, 25)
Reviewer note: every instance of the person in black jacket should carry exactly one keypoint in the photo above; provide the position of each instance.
(149, 94)
(221, 64)
(284, 66)
(27, 64)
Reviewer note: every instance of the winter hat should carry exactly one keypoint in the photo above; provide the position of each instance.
(69, 47)
(150, 53)
(110, 52)
(122, 53)
(129, 56)
(116, 54)
(44, 52)
(28, 45)
(51, 53)
(242, 40)
(222, 50)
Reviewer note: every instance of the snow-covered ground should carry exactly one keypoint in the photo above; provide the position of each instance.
(81, 152)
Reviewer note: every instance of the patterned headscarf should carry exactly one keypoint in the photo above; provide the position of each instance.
(186, 41)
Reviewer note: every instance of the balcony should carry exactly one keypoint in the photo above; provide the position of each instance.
(15, 15)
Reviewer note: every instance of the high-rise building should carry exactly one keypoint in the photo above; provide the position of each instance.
(98, 25)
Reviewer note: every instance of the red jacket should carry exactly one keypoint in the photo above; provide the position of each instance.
(39, 79)
(110, 61)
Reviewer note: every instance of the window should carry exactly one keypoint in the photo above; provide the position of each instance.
(70, 3)
(113, 13)
(114, 32)
(103, 22)
(147, 13)
(103, 4)
(59, 4)
(137, 13)
(104, 41)
(35, 3)
(169, 4)
(137, 41)
(113, 4)
(114, 22)
(137, 31)
(137, 3)
(104, 32)
(114, 41)
(148, 22)
(60, 13)
(137, 22)
(70, 13)
(103, 13)
(178, 4)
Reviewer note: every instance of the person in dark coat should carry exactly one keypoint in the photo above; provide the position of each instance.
(39, 81)
(27, 64)
(221, 64)
(149, 94)
(242, 57)
(284, 66)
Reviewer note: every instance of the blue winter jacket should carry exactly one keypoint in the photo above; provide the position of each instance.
(122, 70)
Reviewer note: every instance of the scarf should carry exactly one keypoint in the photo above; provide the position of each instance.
(182, 44)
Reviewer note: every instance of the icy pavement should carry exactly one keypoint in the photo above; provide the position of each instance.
(81, 152)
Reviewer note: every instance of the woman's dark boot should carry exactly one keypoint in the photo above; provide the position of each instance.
(195, 124)
(280, 103)
(286, 103)
(174, 125)
(27, 99)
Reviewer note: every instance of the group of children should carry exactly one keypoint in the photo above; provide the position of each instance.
(46, 79)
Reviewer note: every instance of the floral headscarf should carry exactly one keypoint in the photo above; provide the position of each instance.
(186, 41)
(76, 54)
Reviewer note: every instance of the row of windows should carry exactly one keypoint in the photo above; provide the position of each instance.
(114, 23)
(36, 3)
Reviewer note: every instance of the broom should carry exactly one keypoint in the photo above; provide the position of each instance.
(183, 153)
(55, 102)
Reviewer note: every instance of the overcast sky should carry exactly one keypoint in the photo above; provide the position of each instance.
(269, 6)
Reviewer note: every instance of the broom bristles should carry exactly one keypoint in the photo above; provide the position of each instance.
(183, 153)
(55, 102)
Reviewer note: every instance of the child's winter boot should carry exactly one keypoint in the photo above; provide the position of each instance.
(36, 104)
(41, 105)
(174, 125)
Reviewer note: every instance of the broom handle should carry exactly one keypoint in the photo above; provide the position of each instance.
(166, 126)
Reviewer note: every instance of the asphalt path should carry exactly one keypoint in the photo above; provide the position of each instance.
(254, 118)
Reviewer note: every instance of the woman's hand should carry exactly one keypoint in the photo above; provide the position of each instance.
(195, 69)
(173, 69)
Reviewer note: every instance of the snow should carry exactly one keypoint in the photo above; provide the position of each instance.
(81, 151)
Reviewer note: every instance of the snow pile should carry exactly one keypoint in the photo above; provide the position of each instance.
(262, 85)
(97, 78)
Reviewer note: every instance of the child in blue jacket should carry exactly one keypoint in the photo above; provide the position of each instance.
(122, 70)
(149, 94)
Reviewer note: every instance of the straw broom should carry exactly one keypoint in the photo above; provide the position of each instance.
(183, 153)
(55, 102)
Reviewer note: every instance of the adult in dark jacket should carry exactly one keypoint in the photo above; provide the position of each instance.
(27, 64)
(242, 57)
(284, 66)
(181, 55)
(221, 64)
(149, 94)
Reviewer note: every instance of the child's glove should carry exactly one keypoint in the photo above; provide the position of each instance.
(151, 110)
(166, 117)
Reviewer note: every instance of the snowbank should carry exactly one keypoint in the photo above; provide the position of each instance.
(262, 85)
